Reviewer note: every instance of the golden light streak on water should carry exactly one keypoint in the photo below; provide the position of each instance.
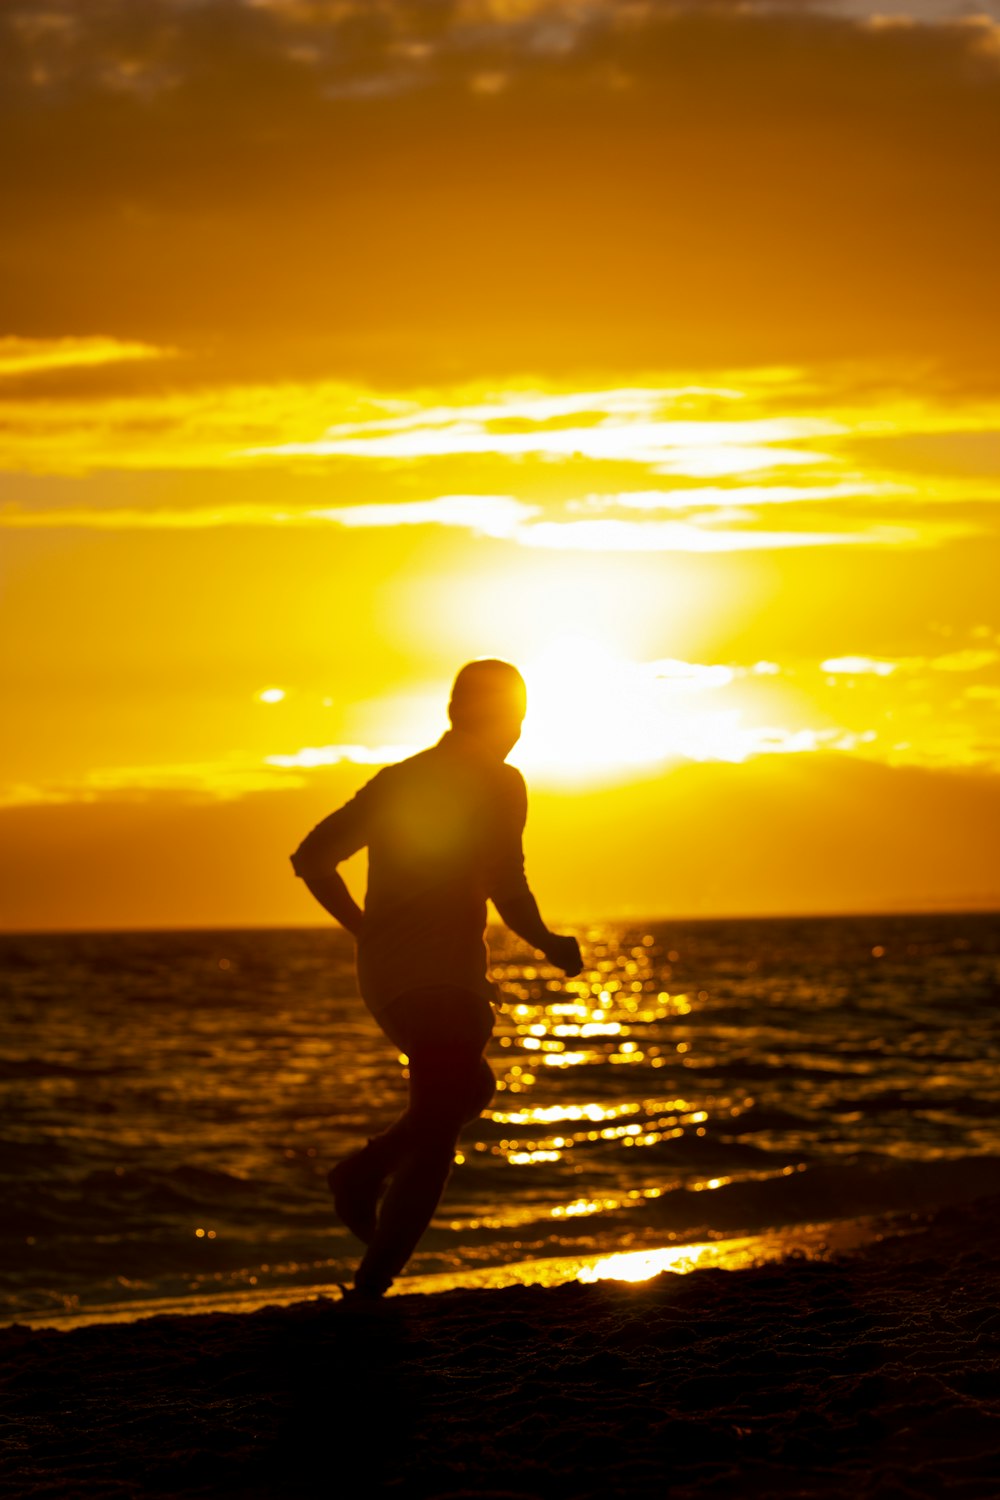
(643, 1265)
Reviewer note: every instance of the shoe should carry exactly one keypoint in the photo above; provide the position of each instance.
(355, 1195)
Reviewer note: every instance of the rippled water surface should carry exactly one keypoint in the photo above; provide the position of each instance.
(172, 1101)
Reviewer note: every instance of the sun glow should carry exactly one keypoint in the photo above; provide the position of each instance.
(593, 712)
(598, 714)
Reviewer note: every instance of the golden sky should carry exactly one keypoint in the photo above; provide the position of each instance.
(650, 346)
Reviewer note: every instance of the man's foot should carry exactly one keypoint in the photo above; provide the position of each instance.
(356, 1192)
(354, 1299)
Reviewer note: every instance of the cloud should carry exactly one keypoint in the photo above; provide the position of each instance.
(719, 737)
(239, 425)
(226, 779)
(728, 444)
(858, 666)
(644, 442)
(542, 443)
(152, 518)
(964, 661)
(167, 428)
(746, 495)
(680, 536)
(502, 517)
(913, 12)
(20, 356)
(485, 515)
(970, 660)
(716, 737)
(311, 756)
(699, 675)
(403, 216)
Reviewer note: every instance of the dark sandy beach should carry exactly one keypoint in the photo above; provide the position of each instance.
(871, 1374)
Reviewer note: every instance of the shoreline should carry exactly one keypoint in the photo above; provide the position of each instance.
(873, 1371)
(742, 1252)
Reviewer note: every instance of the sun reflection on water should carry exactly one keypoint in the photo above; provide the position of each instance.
(643, 1265)
(618, 1006)
(618, 1015)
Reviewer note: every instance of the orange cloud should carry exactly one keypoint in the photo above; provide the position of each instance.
(19, 356)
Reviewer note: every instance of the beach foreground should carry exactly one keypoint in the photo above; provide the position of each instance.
(873, 1373)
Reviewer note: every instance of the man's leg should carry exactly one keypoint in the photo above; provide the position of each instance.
(421, 1020)
(443, 1034)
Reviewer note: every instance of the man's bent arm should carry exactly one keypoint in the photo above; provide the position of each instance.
(520, 913)
(339, 835)
(509, 890)
(332, 894)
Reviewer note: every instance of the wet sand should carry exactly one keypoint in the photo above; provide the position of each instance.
(872, 1373)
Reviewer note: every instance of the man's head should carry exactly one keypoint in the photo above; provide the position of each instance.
(488, 700)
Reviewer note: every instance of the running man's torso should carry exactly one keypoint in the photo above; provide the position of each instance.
(443, 831)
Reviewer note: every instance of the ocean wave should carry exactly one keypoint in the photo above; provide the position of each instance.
(24, 1068)
(768, 1074)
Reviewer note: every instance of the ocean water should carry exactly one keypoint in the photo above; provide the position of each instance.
(171, 1102)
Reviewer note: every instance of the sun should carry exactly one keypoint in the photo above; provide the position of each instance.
(570, 727)
(594, 713)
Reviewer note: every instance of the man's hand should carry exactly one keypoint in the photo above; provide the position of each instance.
(333, 895)
(564, 952)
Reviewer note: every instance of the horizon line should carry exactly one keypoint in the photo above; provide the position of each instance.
(993, 909)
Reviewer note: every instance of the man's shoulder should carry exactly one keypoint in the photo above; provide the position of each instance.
(401, 774)
(512, 777)
(513, 789)
(418, 761)
(440, 760)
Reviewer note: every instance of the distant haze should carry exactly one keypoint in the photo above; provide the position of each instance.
(704, 841)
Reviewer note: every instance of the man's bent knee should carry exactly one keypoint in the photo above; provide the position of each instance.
(481, 1093)
(470, 1101)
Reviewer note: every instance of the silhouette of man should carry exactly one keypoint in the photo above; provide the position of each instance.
(443, 830)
